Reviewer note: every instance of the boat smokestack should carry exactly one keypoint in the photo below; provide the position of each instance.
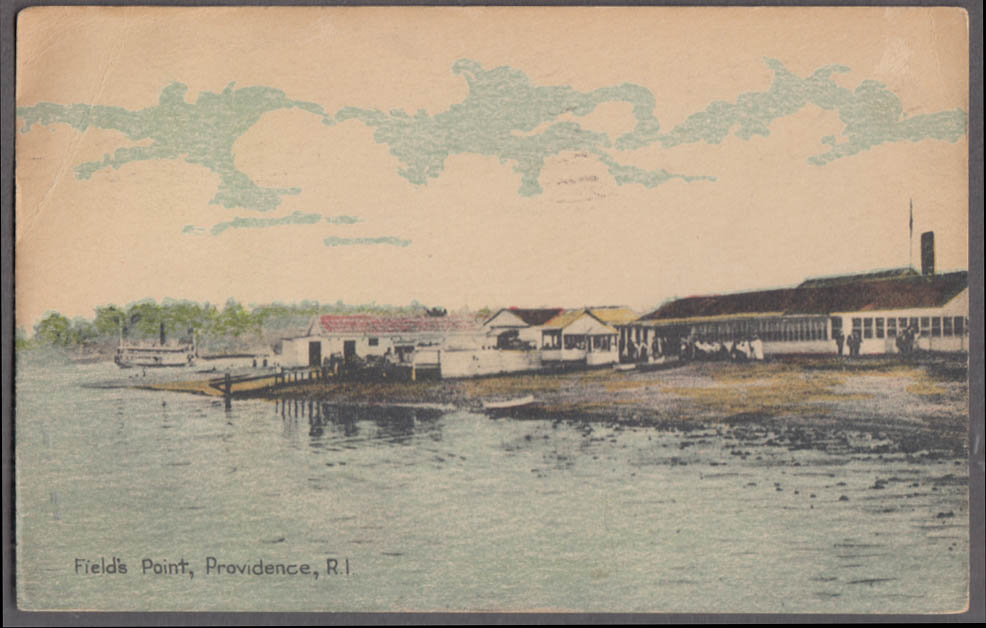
(928, 253)
(162, 334)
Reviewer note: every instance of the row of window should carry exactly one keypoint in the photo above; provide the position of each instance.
(935, 326)
(770, 330)
(813, 328)
(595, 343)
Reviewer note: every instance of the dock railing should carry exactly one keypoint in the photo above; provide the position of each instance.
(229, 383)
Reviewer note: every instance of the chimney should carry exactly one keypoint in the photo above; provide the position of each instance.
(928, 253)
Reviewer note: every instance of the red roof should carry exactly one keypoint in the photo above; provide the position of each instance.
(857, 296)
(370, 324)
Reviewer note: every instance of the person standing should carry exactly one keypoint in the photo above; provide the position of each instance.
(854, 342)
(756, 347)
(839, 341)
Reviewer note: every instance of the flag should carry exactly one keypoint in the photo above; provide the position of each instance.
(910, 237)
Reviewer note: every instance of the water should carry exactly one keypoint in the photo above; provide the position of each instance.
(451, 510)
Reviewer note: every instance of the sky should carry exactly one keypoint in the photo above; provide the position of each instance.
(482, 156)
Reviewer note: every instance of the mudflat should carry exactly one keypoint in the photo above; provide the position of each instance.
(914, 405)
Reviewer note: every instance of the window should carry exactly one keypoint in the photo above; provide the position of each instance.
(374, 342)
(575, 342)
(925, 325)
(891, 327)
(857, 326)
(867, 328)
(947, 326)
(959, 326)
(879, 328)
(936, 326)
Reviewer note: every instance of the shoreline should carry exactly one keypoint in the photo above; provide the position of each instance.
(914, 404)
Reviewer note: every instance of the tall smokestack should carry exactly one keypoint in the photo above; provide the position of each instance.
(928, 253)
(162, 328)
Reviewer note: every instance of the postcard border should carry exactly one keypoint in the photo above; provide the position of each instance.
(16, 617)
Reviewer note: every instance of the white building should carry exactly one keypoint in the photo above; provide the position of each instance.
(396, 338)
(579, 336)
(518, 327)
(809, 318)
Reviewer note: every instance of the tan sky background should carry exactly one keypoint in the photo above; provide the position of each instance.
(770, 219)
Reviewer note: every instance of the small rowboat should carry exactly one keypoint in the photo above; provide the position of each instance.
(509, 404)
(624, 367)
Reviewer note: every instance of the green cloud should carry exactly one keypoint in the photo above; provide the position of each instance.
(504, 115)
(499, 117)
(201, 133)
(871, 113)
(337, 241)
(297, 218)
(343, 220)
(648, 178)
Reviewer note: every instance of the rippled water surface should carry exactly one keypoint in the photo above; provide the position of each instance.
(450, 510)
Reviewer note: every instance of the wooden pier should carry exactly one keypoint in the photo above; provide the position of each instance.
(231, 386)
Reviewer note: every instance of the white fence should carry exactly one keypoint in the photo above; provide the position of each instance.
(487, 362)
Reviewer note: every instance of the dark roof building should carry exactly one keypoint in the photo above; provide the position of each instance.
(835, 280)
(531, 316)
(814, 317)
(824, 296)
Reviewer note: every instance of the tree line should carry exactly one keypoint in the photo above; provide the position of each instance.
(231, 326)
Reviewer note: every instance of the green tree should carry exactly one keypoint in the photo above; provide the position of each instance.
(183, 318)
(54, 329)
(21, 340)
(235, 320)
(82, 332)
(109, 321)
(143, 319)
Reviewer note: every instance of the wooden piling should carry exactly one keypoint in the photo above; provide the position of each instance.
(228, 391)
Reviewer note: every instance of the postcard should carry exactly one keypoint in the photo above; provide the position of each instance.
(492, 309)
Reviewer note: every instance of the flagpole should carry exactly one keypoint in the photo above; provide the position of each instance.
(910, 238)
